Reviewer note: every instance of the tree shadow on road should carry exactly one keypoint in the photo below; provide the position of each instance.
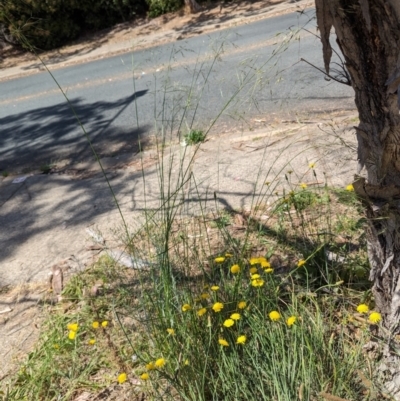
(47, 134)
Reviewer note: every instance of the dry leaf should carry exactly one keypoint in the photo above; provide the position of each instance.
(56, 280)
(331, 397)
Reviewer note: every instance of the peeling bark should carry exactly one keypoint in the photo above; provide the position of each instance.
(368, 34)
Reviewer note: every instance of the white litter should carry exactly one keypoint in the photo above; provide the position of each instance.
(19, 180)
(127, 260)
(96, 236)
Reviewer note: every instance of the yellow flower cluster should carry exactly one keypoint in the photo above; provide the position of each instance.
(263, 262)
(96, 324)
(255, 281)
(230, 321)
(374, 317)
(74, 327)
(158, 364)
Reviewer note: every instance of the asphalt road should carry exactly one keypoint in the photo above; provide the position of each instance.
(230, 76)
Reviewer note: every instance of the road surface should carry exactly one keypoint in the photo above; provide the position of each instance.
(231, 76)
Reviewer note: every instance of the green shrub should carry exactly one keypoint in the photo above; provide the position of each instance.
(47, 25)
(159, 7)
(194, 137)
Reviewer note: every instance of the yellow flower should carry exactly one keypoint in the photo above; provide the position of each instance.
(303, 185)
(253, 270)
(56, 346)
(235, 316)
(186, 307)
(92, 341)
(214, 288)
(218, 306)
(290, 321)
(223, 342)
(186, 363)
(205, 296)
(72, 335)
(201, 311)
(73, 326)
(229, 322)
(121, 378)
(242, 304)
(350, 187)
(235, 269)
(258, 282)
(145, 376)
(255, 261)
(362, 308)
(228, 255)
(311, 165)
(95, 325)
(301, 262)
(171, 332)
(274, 315)
(269, 270)
(219, 259)
(160, 362)
(255, 276)
(104, 324)
(375, 317)
(265, 264)
(150, 366)
(241, 339)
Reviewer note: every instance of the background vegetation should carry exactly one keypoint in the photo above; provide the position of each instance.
(50, 24)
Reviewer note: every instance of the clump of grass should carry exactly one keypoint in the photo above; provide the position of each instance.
(200, 325)
(195, 137)
(46, 168)
(244, 332)
(81, 347)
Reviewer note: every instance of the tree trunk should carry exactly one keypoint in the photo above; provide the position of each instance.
(193, 6)
(368, 34)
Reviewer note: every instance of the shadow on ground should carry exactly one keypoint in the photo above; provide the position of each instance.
(46, 134)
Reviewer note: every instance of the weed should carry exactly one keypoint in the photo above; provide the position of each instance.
(5, 173)
(46, 168)
(195, 137)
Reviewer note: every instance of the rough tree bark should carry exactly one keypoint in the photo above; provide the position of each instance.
(193, 6)
(368, 34)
